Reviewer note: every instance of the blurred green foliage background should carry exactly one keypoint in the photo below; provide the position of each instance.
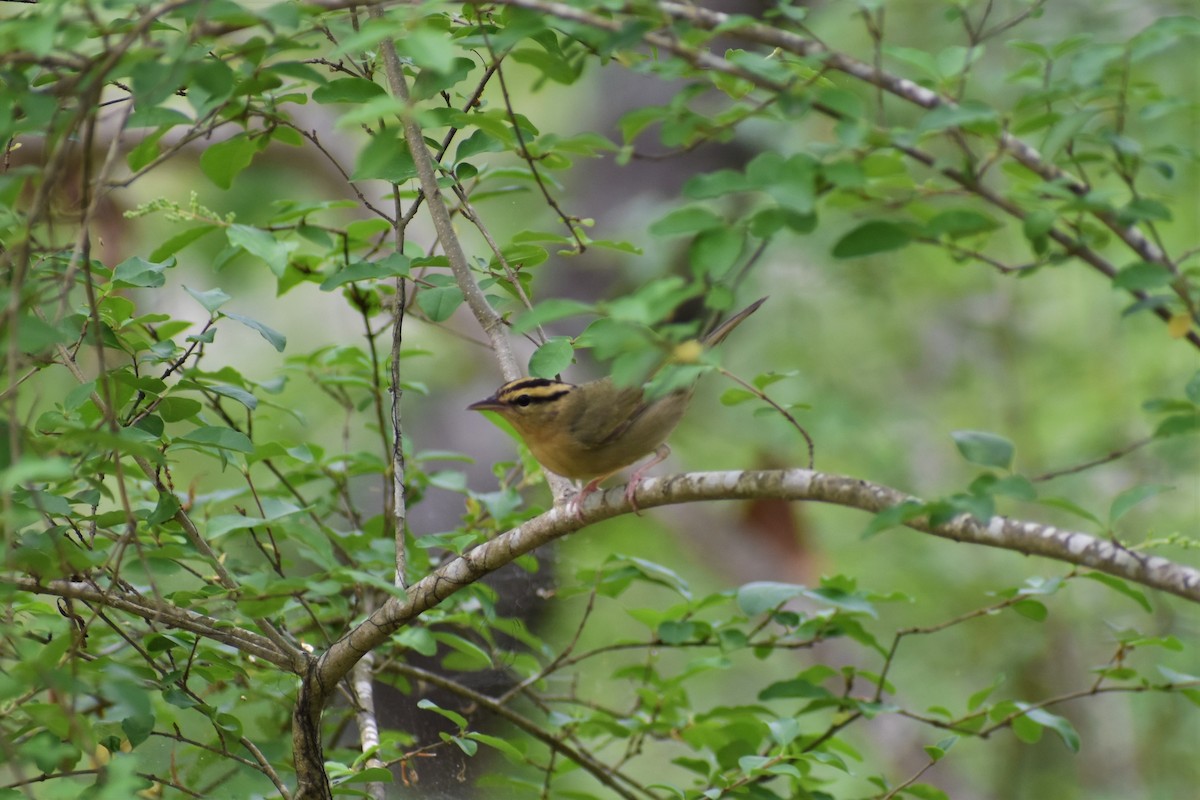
(887, 355)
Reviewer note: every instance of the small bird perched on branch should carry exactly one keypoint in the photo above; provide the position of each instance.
(592, 430)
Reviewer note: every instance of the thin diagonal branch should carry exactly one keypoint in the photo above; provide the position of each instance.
(247, 642)
(487, 317)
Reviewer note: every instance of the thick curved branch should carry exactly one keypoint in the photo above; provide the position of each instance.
(1030, 538)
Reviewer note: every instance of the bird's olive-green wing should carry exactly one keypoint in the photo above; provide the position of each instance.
(624, 413)
(607, 413)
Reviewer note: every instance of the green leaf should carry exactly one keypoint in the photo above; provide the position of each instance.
(1016, 486)
(347, 90)
(921, 59)
(35, 335)
(235, 393)
(979, 506)
(210, 84)
(784, 731)
(165, 509)
(49, 752)
(1192, 389)
(1070, 507)
(794, 688)
(765, 379)
(392, 266)
(175, 409)
(179, 241)
(367, 230)
(953, 60)
(925, 791)
(417, 638)
(386, 157)
(211, 300)
(552, 357)
(28, 469)
(758, 597)
(1148, 303)
(470, 655)
(715, 184)
(440, 302)
(223, 161)
(769, 221)
(976, 699)
(1177, 677)
(258, 242)
(731, 397)
(468, 746)
(876, 236)
(549, 310)
(369, 775)
(636, 121)
(1037, 226)
(894, 516)
(841, 591)
(1059, 725)
(655, 573)
(985, 449)
(510, 752)
(1141, 209)
(141, 273)
(715, 251)
(429, 49)
(1129, 498)
(961, 222)
(552, 65)
(1023, 727)
(1143, 276)
(220, 437)
(1118, 585)
(971, 115)
(138, 727)
(674, 632)
(277, 339)
(453, 716)
(937, 751)
(687, 220)
(1032, 609)
(1178, 424)
(790, 181)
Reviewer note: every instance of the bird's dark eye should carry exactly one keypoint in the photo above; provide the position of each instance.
(523, 400)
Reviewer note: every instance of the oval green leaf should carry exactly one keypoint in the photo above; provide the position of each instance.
(552, 357)
(985, 449)
(440, 302)
(876, 236)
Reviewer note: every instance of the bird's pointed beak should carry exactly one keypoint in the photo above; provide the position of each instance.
(487, 404)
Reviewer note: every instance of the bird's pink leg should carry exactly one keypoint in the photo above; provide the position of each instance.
(660, 455)
(575, 506)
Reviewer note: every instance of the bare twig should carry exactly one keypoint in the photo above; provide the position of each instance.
(1120, 452)
(247, 642)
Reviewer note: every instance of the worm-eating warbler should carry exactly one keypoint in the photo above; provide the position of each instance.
(594, 429)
